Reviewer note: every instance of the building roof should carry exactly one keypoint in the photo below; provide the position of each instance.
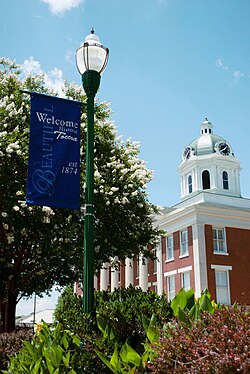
(206, 143)
(44, 315)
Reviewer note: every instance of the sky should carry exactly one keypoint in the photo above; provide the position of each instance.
(172, 63)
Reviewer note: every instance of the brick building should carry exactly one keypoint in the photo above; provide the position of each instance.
(207, 243)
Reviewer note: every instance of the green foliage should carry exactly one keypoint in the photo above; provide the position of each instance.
(125, 311)
(188, 309)
(11, 343)
(123, 317)
(52, 351)
(128, 360)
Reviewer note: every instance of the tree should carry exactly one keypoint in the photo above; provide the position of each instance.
(40, 246)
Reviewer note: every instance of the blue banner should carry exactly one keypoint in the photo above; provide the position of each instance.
(54, 152)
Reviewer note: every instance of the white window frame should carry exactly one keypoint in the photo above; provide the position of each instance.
(171, 239)
(223, 269)
(155, 260)
(137, 267)
(171, 292)
(184, 244)
(218, 241)
(183, 274)
(167, 275)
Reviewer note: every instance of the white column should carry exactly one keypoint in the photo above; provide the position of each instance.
(114, 277)
(143, 274)
(129, 273)
(104, 273)
(159, 268)
(200, 261)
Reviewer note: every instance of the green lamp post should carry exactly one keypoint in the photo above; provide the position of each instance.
(91, 60)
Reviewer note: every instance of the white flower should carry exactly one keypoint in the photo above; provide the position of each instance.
(10, 238)
(4, 214)
(18, 193)
(16, 208)
(23, 232)
(5, 226)
(125, 200)
(114, 189)
(48, 211)
(135, 193)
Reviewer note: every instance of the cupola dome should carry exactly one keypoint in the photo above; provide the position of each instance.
(208, 163)
(207, 143)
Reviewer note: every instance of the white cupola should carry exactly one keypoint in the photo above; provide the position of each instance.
(208, 163)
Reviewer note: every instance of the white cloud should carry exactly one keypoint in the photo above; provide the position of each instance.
(53, 79)
(31, 66)
(220, 64)
(58, 7)
(70, 56)
(237, 76)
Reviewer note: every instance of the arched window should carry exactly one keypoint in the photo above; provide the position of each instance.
(190, 186)
(225, 180)
(205, 180)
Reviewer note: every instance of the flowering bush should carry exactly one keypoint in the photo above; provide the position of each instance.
(41, 246)
(217, 343)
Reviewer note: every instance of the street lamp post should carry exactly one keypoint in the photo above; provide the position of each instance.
(91, 60)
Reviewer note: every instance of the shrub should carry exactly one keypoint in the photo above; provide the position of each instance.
(122, 310)
(216, 343)
(11, 343)
(51, 350)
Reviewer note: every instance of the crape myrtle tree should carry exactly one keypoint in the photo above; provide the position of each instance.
(42, 246)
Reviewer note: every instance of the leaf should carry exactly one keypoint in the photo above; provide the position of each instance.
(190, 298)
(145, 322)
(114, 361)
(128, 354)
(153, 332)
(205, 303)
(65, 341)
(106, 361)
(194, 312)
(182, 315)
(180, 300)
(101, 323)
(66, 359)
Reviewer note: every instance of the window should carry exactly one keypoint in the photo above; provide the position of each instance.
(171, 287)
(219, 242)
(155, 262)
(205, 180)
(170, 248)
(137, 266)
(225, 180)
(222, 289)
(185, 280)
(190, 186)
(184, 243)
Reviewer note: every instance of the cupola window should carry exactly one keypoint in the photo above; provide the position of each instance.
(190, 184)
(225, 180)
(206, 180)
